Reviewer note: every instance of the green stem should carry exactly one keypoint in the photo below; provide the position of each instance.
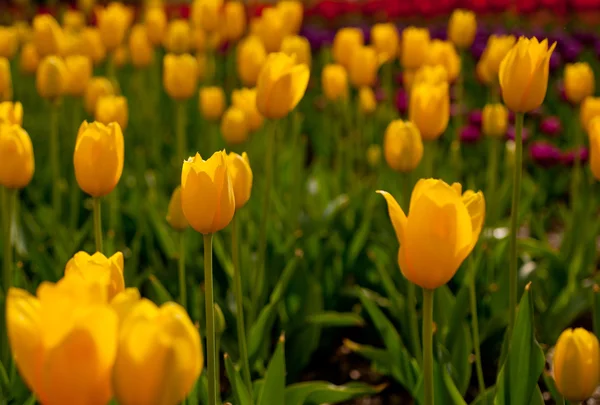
(239, 298)
(98, 224)
(181, 118)
(430, 152)
(111, 71)
(181, 268)
(54, 163)
(209, 303)
(576, 181)
(8, 203)
(514, 223)
(475, 327)
(492, 176)
(428, 346)
(458, 120)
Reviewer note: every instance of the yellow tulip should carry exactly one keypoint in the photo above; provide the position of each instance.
(155, 23)
(98, 157)
(16, 156)
(299, 46)
(496, 49)
(250, 57)
(576, 364)
(206, 67)
(235, 20)
(367, 102)
(79, 71)
(113, 23)
(579, 82)
(47, 35)
(73, 44)
(24, 32)
(334, 81)
(241, 177)
(6, 88)
(271, 29)
(11, 113)
(175, 216)
(97, 268)
(159, 357)
(440, 231)
(52, 78)
(64, 341)
(408, 77)
(430, 74)
(363, 66)
(121, 56)
(97, 88)
(93, 44)
(462, 28)
(245, 100)
(207, 195)
(198, 40)
(9, 42)
(180, 76)
(85, 5)
(415, 46)
(30, 59)
(429, 109)
(281, 85)
(73, 20)
(494, 120)
(346, 40)
(443, 53)
(234, 126)
(386, 40)
(292, 13)
(112, 109)
(140, 48)
(524, 74)
(178, 36)
(206, 14)
(590, 109)
(211, 102)
(594, 137)
(124, 302)
(402, 146)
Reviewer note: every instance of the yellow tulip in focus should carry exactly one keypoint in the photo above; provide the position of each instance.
(415, 46)
(11, 113)
(79, 70)
(30, 59)
(207, 195)
(345, 42)
(250, 57)
(206, 14)
(175, 216)
(579, 81)
(576, 364)
(496, 49)
(113, 23)
(94, 46)
(443, 53)
(367, 102)
(73, 20)
(440, 231)
(241, 177)
(385, 39)
(98, 157)
(159, 357)
(140, 48)
(6, 88)
(429, 109)
(363, 66)
(462, 28)
(155, 23)
(47, 35)
(494, 120)
(245, 100)
(334, 81)
(524, 74)
(97, 268)
(292, 13)
(299, 46)
(402, 146)
(180, 76)
(234, 126)
(112, 109)
(271, 29)
(178, 37)
(96, 88)
(235, 20)
(281, 85)
(16, 156)
(436, 74)
(9, 42)
(211, 102)
(52, 78)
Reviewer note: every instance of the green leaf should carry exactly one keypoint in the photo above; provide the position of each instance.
(380, 359)
(240, 391)
(336, 319)
(222, 255)
(524, 362)
(486, 398)
(164, 237)
(273, 390)
(322, 392)
(362, 234)
(162, 295)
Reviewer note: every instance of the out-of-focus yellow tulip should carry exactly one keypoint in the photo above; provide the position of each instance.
(24, 32)
(292, 13)
(594, 138)
(199, 40)
(178, 36)
(98, 157)
(79, 71)
(73, 44)
(16, 156)
(241, 177)
(374, 155)
(180, 76)
(579, 82)
(363, 66)
(73, 20)
(524, 74)
(175, 216)
(96, 88)
(140, 48)
(211, 102)
(9, 42)
(235, 20)
(94, 45)
(30, 59)
(121, 56)
(234, 127)
(113, 23)
(346, 40)
(159, 357)
(207, 195)
(271, 29)
(590, 109)
(11, 113)
(112, 109)
(443, 53)
(299, 46)
(281, 85)
(494, 120)
(408, 77)
(462, 28)
(334, 81)
(250, 58)
(429, 109)
(52, 78)
(386, 40)
(415, 47)
(86, 5)
(206, 14)
(576, 364)
(97, 268)
(155, 23)
(245, 100)
(402, 146)
(6, 88)
(47, 35)
(439, 233)
(206, 67)
(496, 49)
(435, 74)
(64, 341)
(367, 102)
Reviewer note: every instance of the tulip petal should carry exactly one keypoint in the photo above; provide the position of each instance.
(396, 214)
(197, 201)
(300, 76)
(475, 204)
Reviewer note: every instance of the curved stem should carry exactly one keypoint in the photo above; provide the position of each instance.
(428, 346)
(54, 164)
(97, 224)
(475, 328)
(181, 270)
(210, 321)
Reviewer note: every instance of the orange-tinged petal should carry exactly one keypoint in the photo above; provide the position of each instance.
(396, 214)
(198, 210)
(475, 204)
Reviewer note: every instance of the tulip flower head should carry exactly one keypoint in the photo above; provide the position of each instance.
(112, 109)
(494, 120)
(9, 42)
(462, 28)
(496, 49)
(291, 12)
(79, 73)
(431, 74)
(6, 88)
(334, 81)
(443, 53)
(345, 42)
(180, 76)
(367, 102)
(594, 137)
(97, 268)
(211, 102)
(245, 100)
(52, 78)
(17, 163)
(206, 14)
(234, 126)
(364, 66)
(178, 36)
(113, 22)
(299, 46)
(93, 45)
(235, 20)
(250, 57)
(47, 35)
(590, 109)
(97, 88)
(140, 47)
(73, 20)
(241, 177)
(155, 23)
(11, 113)
(579, 82)
(30, 59)
(402, 146)
(429, 109)
(271, 29)
(386, 40)
(414, 47)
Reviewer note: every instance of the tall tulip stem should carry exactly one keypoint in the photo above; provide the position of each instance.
(97, 223)
(428, 346)
(54, 164)
(181, 270)
(514, 222)
(8, 204)
(209, 303)
(475, 326)
(577, 174)
(492, 177)
(181, 117)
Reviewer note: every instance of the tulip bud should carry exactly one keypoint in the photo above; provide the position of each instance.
(97, 88)
(73, 20)
(363, 66)
(113, 23)
(576, 364)
(9, 42)
(402, 146)
(245, 100)
(140, 48)
(235, 20)
(366, 100)
(16, 157)
(79, 71)
(29, 58)
(494, 120)
(156, 25)
(112, 109)
(241, 177)
(52, 78)
(93, 44)
(271, 29)
(97, 268)
(47, 35)
(234, 127)
(291, 12)
(98, 157)
(594, 137)
(180, 76)
(334, 81)
(207, 195)
(6, 88)
(579, 82)
(429, 109)
(211, 102)
(178, 36)
(299, 46)
(385, 39)
(206, 14)
(443, 53)
(250, 58)
(175, 216)
(415, 45)
(11, 113)
(462, 28)
(345, 42)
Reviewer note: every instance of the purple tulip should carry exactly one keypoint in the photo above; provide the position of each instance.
(555, 61)
(551, 126)
(470, 134)
(544, 154)
(511, 133)
(380, 95)
(478, 47)
(568, 157)
(440, 32)
(585, 37)
(475, 118)
(401, 101)
(571, 51)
